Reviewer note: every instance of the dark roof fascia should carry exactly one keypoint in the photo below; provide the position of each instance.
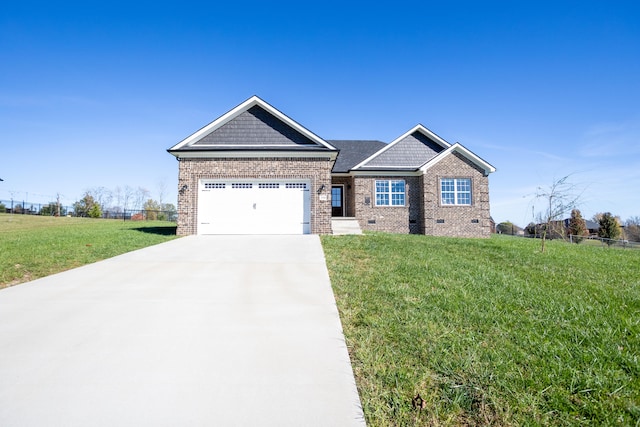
(356, 141)
(386, 172)
(387, 169)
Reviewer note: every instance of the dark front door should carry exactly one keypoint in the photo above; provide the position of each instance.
(337, 200)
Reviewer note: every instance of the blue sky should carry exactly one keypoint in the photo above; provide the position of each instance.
(93, 93)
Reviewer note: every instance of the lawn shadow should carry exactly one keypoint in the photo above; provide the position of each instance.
(169, 230)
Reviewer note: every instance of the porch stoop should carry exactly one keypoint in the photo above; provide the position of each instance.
(345, 225)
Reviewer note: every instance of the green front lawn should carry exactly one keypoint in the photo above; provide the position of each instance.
(37, 246)
(489, 332)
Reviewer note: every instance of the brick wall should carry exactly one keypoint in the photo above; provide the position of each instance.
(316, 170)
(393, 219)
(458, 221)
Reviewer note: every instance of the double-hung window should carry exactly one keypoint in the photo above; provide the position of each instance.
(390, 192)
(455, 191)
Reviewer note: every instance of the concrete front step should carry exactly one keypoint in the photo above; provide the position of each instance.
(345, 225)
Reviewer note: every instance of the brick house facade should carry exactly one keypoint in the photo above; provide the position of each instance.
(191, 171)
(256, 166)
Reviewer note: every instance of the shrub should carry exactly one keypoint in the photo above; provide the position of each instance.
(95, 211)
(609, 227)
(577, 226)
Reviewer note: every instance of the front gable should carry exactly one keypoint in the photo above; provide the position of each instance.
(256, 128)
(465, 153)
(407, 152)
(254, 125)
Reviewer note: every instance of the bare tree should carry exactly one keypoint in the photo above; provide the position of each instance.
(127, 195)
(117, 196)
(632, 229)
(101, 195)
(140, 195)
(559, 198)
(162, 190)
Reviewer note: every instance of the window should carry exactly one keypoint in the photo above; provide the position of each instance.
(390, 193)
(455, 191)
(336, 197)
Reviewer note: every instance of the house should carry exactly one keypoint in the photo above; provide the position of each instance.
(592, 227)
(254, 170)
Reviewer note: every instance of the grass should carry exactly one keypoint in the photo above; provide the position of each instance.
(37, 246)
(489, 331)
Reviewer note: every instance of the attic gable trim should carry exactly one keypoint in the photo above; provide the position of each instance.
(417, 128)
(457, 147)
(235, 112)
(263, 154)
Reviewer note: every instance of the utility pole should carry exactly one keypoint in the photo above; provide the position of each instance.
(57, 204)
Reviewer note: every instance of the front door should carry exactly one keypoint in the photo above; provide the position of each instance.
(337, 200)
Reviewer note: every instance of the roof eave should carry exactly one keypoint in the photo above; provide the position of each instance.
(244, 153)
(457, 147)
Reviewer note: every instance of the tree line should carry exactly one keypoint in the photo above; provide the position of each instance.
(558, 199)
(610, 227)
(101, 202)
(98, 201)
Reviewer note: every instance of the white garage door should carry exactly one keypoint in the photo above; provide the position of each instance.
(253, 207)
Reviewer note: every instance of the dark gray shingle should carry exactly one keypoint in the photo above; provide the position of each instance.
(411, 152)
(257, 127)
(353, 152)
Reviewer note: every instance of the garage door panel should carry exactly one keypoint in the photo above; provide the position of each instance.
(240, 207)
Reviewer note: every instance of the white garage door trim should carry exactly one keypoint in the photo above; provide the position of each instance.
(238, 206)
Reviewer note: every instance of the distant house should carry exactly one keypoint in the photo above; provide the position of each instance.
(254, 170)
(592, 226)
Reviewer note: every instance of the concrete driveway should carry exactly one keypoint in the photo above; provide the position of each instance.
(206, 330)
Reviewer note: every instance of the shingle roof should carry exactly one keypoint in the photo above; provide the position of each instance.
(255, 127)
(592, 225)
(411, 152)
(252, 125)
(353, 152)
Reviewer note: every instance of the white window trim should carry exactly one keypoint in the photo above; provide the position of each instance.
(390, 192)
(455, 192)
